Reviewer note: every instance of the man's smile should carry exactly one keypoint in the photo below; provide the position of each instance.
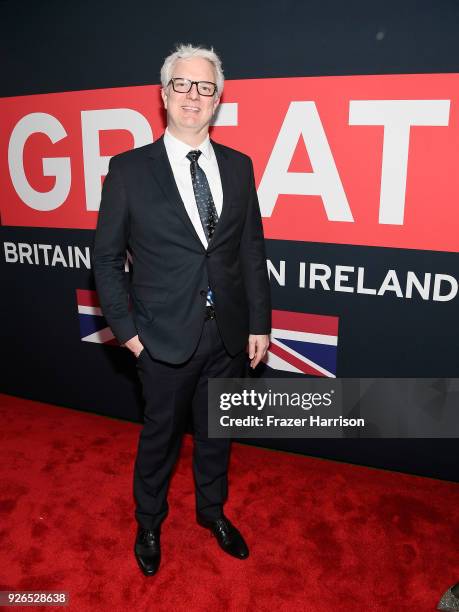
(193, 109)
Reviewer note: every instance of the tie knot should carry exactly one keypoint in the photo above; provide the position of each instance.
(193, 156)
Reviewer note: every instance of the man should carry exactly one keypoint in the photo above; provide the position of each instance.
(187, 208)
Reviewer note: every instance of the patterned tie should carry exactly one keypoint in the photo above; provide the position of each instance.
(204, 200)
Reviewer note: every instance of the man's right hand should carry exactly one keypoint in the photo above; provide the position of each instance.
(134, 345)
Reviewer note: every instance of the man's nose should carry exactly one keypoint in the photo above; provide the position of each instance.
(193, 93)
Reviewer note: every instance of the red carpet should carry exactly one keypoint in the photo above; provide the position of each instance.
(323, 536)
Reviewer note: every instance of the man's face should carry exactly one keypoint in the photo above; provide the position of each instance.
(190, 111)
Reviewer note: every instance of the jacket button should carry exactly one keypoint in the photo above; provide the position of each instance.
(203, 293)
(207, 254)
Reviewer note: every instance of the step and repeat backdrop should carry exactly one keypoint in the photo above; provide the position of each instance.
(358, 185)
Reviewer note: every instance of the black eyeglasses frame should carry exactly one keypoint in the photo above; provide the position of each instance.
(191, 85)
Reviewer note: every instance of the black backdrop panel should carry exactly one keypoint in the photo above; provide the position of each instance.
(383, 336)
(61, 46)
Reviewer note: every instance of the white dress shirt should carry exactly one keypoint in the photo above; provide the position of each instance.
(177, 151)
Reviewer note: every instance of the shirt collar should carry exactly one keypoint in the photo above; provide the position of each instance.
(179, 149)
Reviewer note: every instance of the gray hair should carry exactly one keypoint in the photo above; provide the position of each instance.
(186, 52)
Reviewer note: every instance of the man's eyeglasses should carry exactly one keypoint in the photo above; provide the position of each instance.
(205, 88)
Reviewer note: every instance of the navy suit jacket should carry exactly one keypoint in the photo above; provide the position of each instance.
(141, 210)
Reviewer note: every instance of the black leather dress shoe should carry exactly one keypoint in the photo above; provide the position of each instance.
(228, 537)
(147, 550)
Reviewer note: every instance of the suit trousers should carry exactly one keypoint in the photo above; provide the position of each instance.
(171, 392)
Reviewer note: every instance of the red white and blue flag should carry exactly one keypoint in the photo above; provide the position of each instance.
(93, 326)
(303, 343)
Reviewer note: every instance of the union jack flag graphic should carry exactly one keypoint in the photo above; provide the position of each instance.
(93, 326)
(303, 343)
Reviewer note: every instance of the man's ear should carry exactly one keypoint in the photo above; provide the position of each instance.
(216, 103)
(164, 97)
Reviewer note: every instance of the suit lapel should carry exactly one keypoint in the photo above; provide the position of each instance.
(223, 168)
(162, 172)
